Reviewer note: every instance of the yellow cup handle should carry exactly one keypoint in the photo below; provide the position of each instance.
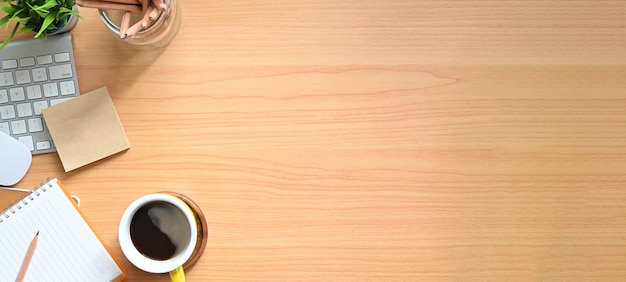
(178, 275)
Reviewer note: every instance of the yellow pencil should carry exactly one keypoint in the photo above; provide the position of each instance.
(132, 30)
(108, 5)
(153, 12)
(125, 24)
(160, 4)
(27, 258)
(147, 19)
(144, 6)
(131, 2)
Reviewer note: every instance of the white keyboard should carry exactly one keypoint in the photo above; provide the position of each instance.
(35, 74)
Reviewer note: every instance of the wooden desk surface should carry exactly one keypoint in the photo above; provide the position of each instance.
(373, 140)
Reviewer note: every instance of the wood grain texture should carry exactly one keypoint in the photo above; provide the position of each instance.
(373, 140)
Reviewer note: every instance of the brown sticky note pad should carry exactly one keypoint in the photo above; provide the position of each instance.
(86, 129)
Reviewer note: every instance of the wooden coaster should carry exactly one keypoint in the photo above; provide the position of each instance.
(201, 226)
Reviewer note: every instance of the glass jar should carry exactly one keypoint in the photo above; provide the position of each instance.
(159, 32)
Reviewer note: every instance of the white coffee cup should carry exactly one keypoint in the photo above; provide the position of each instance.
(171, 216)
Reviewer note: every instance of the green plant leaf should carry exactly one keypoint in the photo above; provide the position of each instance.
(36, 15)
(46, 6)
(64, 10)
(4, 21)
(14, 17)
(46, 23)
(8, 9)
(19, 12)
(23, 21)
(10, 37)
(26, 29)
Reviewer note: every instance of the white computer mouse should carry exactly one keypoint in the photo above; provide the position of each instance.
(15, 160)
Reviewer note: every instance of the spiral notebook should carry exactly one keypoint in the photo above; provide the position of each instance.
(68, 249)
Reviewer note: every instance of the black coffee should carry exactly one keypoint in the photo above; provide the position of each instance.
(156, 230)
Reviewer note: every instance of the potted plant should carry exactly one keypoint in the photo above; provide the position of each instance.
(43, 17)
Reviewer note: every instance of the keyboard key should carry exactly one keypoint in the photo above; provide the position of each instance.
(6, 79)
(17, 94)
(4, 127)
(9, 64)
(4, 96)
(35, 125)
(62, 57)
(27, 141)
(24, 110)
(7, 112)
(39, 106)
(18, 126)
(39, 74)
(22, 76)
(35, 75)
(44, 60)
(27, 62)
(33, 92)
(58, 101)
(43, 145)
(60, 71)
(67, 87)
(50, 90)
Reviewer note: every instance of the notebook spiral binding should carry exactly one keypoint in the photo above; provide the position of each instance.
(43, 187)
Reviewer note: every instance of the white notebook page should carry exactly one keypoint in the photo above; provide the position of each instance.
(67, 250)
